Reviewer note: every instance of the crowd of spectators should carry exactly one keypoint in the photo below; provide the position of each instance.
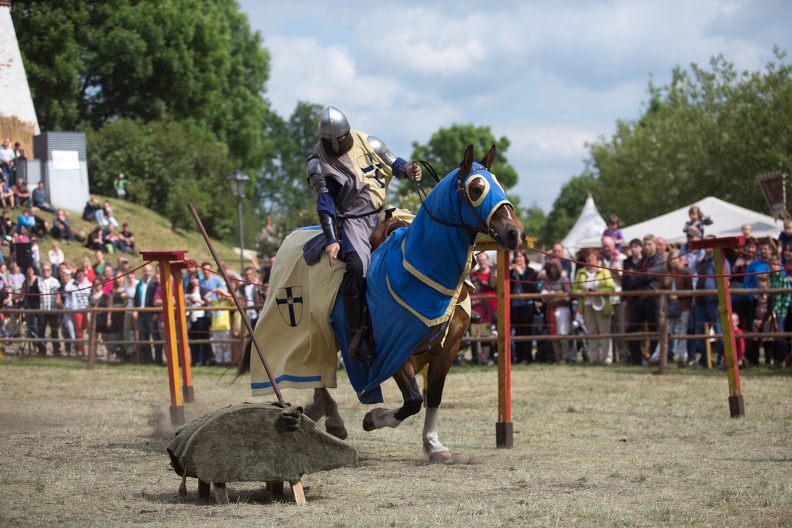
(759, 264)
(135, 334)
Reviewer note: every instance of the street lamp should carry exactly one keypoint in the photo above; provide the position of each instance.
(238, 182)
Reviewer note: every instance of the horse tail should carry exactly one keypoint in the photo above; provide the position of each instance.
(244, 361)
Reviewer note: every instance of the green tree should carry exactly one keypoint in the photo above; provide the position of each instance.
(90, 63)
(281, 190)
(168, 164)
(707, 133)
(446, 147)
(533, 219)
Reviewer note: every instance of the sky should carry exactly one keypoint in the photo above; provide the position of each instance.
(549, 76)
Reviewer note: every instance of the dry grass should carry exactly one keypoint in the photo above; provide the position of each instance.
(592, 447)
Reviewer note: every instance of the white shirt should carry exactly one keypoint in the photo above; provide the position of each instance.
(56, 257)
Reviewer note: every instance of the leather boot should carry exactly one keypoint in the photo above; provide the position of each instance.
(360, 347)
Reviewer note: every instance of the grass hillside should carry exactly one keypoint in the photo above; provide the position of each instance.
(152, 232)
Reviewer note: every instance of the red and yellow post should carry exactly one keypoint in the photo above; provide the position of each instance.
(164, 260)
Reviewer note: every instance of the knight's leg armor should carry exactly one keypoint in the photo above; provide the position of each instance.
(355, 308)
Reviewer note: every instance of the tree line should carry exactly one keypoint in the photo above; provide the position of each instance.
(172, 94)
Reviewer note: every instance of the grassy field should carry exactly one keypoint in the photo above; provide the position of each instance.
(152, 232)
(593, 447)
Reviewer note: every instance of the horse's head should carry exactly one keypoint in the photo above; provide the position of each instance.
(489, 208)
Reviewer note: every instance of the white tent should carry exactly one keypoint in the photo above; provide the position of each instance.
(727, 220)
(589, 225)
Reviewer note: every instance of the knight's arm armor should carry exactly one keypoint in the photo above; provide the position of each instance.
(324, 202)
(397, 165)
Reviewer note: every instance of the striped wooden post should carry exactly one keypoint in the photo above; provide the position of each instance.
(164, 259)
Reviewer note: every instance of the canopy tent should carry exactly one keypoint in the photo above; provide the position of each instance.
(727, 220)
(589, 226)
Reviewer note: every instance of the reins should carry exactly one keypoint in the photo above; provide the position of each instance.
(422, 194)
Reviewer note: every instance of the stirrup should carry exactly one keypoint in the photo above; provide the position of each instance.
(360, 348)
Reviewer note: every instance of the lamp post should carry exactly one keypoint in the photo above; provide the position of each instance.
(239, 181)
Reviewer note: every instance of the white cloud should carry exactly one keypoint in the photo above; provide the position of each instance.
(549, 76)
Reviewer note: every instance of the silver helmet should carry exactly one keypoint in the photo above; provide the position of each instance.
(332, 124)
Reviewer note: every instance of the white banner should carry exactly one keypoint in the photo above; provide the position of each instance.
(65, 160)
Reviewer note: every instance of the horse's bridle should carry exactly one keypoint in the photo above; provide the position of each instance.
(482, 227)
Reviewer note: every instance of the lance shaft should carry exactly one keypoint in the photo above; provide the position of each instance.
(242, 312)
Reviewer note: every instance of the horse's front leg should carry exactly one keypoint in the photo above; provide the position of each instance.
(379, 417)
(324, 405)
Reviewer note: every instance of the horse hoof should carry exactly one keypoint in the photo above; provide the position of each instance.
(338, 432)
(443, 457)
(369, 421)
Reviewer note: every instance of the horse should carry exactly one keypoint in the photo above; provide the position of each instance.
(417, 281)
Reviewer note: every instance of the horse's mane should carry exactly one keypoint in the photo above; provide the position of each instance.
(383, 230)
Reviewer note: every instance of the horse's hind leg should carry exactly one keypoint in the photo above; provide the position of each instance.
(379, 418)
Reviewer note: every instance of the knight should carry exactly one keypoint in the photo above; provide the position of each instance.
(350, 172)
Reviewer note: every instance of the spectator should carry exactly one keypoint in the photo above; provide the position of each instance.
(756, 266)
(101, 300)
(87, 267)
(692, 256)
(615, 263)
(785, 238)
(130, 322)
(35, 254)
(484, 282)
(127, 237)
(7, 162)
(251, 295)
(79, 290)
(614, 232)
(120, 186)
(32, 301)
(66, 322)
(21, 193)
(40, 226)
(697, 219)
(62, 230)
(5, 286)
(742, 305)
(116, 330)
(25, 220)
(49, 287)
(662, 248)
(94, 240)
(597, 311)
(221, 329)
(200, 353)
(776, 350)
(92, 207)
(110, 240)
(558, 313)
(107, 279)
(39, 197)
(523, 280)
(17, 280)
(644, 309)
(7, 195)
(212, 283)
(145, 294)
(679, 309)
(108, 215)
(746, 230)
(99, 265)
(558, 253)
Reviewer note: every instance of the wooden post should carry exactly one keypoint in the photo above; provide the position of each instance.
(92, 338)
(662, 322)
(504, 429)
(181, 319)
(736, 405)
(708, 345)
(164, 259)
